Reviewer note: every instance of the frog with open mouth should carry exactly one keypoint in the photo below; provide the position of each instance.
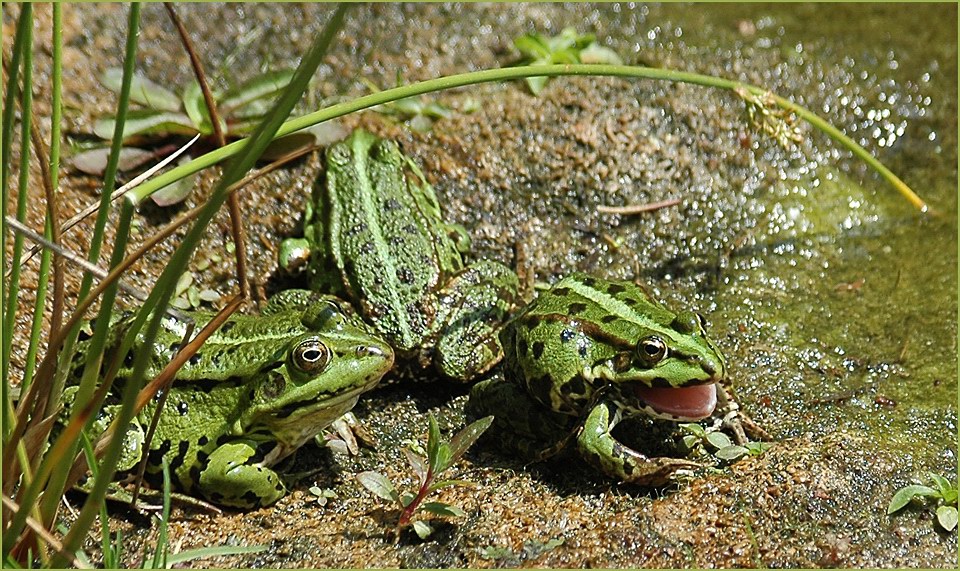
(259, 388)
(590, 352)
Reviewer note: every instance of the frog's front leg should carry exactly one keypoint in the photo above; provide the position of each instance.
(234, 477)
(473, 308)
(598, 446)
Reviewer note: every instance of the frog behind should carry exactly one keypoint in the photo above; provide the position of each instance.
(589, 352)
(258, 389)
(374, 234)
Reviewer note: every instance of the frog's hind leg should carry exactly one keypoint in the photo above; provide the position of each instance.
(598, 446)
(233, 476)
(520, 423)
(474, 307)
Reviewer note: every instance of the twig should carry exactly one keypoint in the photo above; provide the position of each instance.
(638, 208)
(233, 205)
(46, 536)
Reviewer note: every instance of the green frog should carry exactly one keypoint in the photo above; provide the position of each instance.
(590, 352)
(374, 234)
(258, 389)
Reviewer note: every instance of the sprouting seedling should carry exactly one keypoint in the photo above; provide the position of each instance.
(723, 448)
(567, 47)
(440, 456)
(943, 494)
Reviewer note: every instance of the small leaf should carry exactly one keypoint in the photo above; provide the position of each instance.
(694, 428)
(422, 529)
(718, 440)
(947, 517)
(176, 191)
(418, 463)
(942, 484)
(407, 498)
(437, 110)
(196, 108)
(379, 485)
(757, 448)
(440, 508)
(730, 452)
(421, 124)
(907, 493)
(142, 90)
(145, 122)
(94, 161)
(265, 85)
(433, 443)
(532, 45)
(595, 53)
(537, 83)
(464, 439)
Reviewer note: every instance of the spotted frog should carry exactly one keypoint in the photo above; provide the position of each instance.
(258, 389)
(374, 234)
(590, 352)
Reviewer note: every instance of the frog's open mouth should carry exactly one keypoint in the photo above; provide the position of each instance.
(681, 403)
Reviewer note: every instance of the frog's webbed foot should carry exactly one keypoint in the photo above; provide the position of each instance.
(474, 306)
(351, 435)
(598, 446)
(233, 476)
(736, 421)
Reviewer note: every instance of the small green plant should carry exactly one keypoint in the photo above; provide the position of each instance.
(943, 494)
(419, 112)
(440, 456)
(567, 47)
(720, 444)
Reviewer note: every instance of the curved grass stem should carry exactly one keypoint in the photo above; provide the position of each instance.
(506, 74)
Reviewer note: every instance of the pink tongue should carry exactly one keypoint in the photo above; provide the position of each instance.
(691, 403)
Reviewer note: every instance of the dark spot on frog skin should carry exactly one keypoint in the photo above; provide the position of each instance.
(202, 441)
(405, 275)
(391, 204)
(630, 301)
(155, 456)
(567, 335)
(522, 347)
(251, 497)
(182, 408)
(367, 248)
(583, 349)
(589, 282)
(182, 449)
(357, 229)
(541, 387)
(532, 322)
(226, 327)
(538, 348)
(575, 386)
(562, 291)
(174, 347)
(195, 359)
(576, 308)
(614, 289)
(411, 229)
(609, 318)
(216, 497)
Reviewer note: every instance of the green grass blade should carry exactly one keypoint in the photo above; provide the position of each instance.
(23, 183)
(214, 551)
(6, 149)
(54, 162)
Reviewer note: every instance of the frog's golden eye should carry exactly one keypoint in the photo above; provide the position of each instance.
(311, 355)
(651, 350)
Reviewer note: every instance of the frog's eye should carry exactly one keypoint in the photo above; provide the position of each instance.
(311, 355)
(651, 350)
